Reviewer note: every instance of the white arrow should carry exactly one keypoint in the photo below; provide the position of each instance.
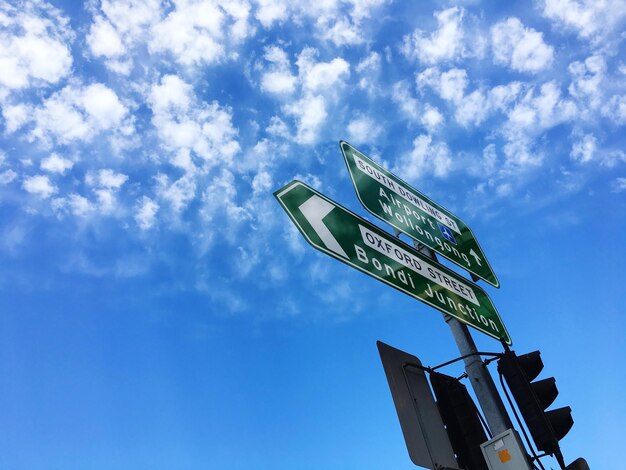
(315, 209)
(473, 253)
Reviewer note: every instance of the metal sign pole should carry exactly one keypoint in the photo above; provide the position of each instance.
(482, 382)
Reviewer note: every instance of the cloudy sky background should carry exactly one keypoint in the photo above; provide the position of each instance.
(157, 308)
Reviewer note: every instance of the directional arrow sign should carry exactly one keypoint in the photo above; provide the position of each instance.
(356, 242)
(405, 208)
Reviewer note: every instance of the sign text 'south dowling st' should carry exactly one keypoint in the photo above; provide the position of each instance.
(392, 200)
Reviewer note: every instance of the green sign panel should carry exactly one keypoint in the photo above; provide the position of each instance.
(392, 200)
(356, 242)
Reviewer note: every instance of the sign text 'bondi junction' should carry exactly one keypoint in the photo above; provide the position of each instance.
(351, 239)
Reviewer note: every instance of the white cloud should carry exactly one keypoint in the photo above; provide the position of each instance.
(615, 109)
(145, 215)
(79, 205)
(171, 95)
(34, 48)
(426, 158)
(583, 151)
(262, 156)
(368, 70)
(453, 84)
(612, 158)
(523, 116)
(61, 117)
(311, 93)
(110, 179)
(118, 27)
(278, 128)
(80, 113)
(219, 199)
(56, 164)
(504, 189)
(340, 31)
(444, 44)
(310, 114)
(270, 11)
(502, 96)
(311, 180)
(177, 194)
(103, 106)
(489, 160)
(237, 12)
(449, 85)
(321, 76)
(519, 154)
(364, 129)
(363, 8)
(198, 32)
(185, 125)
(16, 116)
(431, 119)
(472, 109)
(369, 63)
(336, 25)
(469, 108)
(592, 19)
(519, 47)
(39, 185)
(276, 55)
(339, 22)
(104, 40)
(131, 17)
(189, 32)
(7, 176)
(538, 110)
(107, 200)
(278, 79)
(401, 95)
(587, 81)
(246, 260)
(262, 182)
(293, 238)
(619, 185)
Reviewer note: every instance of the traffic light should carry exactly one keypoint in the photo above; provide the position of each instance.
(460, 416)
(547, 428)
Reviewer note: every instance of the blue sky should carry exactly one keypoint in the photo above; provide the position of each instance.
(157, 307)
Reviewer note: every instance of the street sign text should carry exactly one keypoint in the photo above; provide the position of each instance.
(356, 242)
(392, 200)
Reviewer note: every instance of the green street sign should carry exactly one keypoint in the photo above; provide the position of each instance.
(356, 242)
(392, 200)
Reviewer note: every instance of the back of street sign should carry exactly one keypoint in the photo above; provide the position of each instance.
(356, 242)
(392, 200)
(423, 429)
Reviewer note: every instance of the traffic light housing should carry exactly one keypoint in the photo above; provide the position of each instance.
(547, 428)
(460, 416)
